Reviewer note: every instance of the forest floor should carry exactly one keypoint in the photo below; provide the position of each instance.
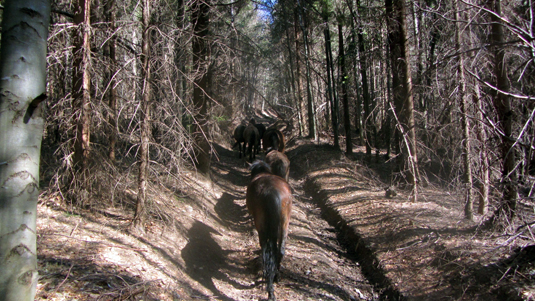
(347, 241)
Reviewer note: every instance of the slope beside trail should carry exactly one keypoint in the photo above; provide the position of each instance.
(423, 250)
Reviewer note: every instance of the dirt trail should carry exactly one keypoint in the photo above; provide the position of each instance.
(200, 244)
(315, 266)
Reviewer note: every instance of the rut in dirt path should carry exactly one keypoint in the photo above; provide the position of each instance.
(315, 266)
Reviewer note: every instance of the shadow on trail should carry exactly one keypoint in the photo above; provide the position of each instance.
(233, 215)
(227, 167)
(206, 260)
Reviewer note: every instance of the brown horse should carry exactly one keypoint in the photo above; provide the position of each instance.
(238, 136)
(273, 138)
(250, 135)
(269, 200)
(279, 163)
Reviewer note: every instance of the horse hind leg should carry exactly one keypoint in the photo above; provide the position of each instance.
(281, 250)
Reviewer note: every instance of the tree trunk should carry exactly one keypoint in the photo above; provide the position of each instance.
(180, 51)
(428, 75)
(181, 59)
(145, 126)
(299, 103)
(82, 84)
(388, 115)
(201, 57)
(330, 77)
(394, 42)
(365, 93)
(23, 61)
(358, 103)
(312, 126)
(345, 100)
(417, 21)
(483, 153)
(465, 122)
(403, 92)
(365, 88)
(291, 72)
(112, 91)
(502, 104)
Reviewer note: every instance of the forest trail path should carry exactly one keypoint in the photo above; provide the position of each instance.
(315, 266)
(199, 242)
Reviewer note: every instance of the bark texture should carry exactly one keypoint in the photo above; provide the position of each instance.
(22, 89)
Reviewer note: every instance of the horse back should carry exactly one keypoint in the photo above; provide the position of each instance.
(279, 164)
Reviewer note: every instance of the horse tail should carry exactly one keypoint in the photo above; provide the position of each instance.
(251, 149)
(255, 141)
(269, 254)
(270, 251)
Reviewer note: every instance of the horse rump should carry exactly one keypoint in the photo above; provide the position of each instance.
(238, 136)
(273, 138)
(279, 163)
(250, 135)
(261, 130)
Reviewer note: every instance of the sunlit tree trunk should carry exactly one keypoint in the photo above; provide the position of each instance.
(483, 186)
(464, 97)
(291, 64)
(23, 62)
(82, 84)
(145, 126)
(299, 104)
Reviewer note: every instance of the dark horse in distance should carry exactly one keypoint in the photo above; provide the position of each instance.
(269, 200)
(238, 136)
(251, 137)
